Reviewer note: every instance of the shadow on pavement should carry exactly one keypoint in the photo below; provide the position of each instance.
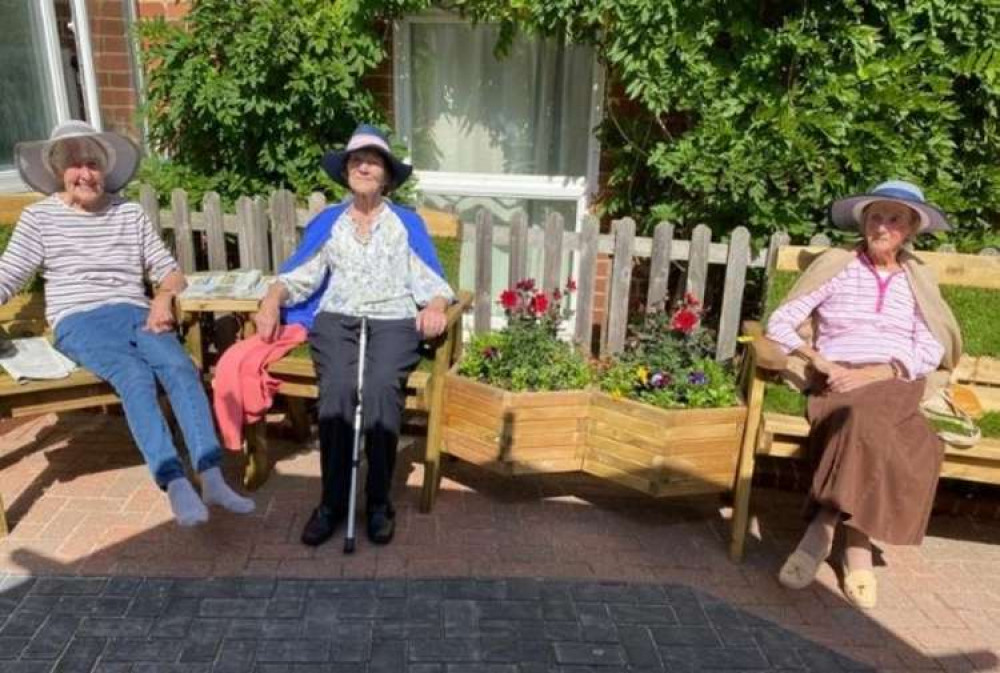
(505, 575)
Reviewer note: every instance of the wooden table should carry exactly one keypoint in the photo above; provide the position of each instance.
(191, 310)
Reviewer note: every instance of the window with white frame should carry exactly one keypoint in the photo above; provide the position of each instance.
(505, 134)
(46, 77)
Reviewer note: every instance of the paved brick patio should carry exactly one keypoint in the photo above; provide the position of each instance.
(91, 548)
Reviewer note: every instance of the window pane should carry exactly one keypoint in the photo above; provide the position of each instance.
(27, 112)
(528, 113)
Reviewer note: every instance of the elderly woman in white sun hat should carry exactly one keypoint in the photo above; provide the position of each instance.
(95, 250)
(882, 332)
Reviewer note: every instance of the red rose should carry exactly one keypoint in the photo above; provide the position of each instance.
(684, 321)
(527, 284)
(690, 299)
(508, 300)
(539, 304)
(570, 285)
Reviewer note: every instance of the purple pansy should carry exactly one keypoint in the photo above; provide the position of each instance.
(697, 378)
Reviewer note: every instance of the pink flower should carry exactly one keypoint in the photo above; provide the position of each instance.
(508, 300)
(570, 285)
(684, 320)
(691, 300)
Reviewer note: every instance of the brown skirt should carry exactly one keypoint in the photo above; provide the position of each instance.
(877, 459)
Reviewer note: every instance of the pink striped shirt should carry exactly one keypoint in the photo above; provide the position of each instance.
(864, 316)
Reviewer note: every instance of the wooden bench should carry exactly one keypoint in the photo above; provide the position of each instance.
(424, 393)
(971, 286)
(24, 316)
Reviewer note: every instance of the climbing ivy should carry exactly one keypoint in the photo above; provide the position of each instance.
(761, 112)
(244, 96)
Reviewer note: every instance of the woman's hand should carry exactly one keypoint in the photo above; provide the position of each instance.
(845, 379)
(266, 319)
(431, 321)
(161, 313)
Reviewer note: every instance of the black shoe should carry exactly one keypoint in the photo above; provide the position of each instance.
(381, 523)
(322, 525)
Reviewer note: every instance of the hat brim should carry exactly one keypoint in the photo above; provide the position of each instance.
(335, 163)
(33, 166)
(847, 213)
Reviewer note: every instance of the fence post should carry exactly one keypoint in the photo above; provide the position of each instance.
(697, 275)
(484, 271)
(552, 264)
(585, 283)
(211, 206)
(261, 226)
(621, 280)
(183, 240)
(317, 202)
(284, 232)
(732, 296)
(252, 237)
(518, 262)
(151, 204)
(659, 266)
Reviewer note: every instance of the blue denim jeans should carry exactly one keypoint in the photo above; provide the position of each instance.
(112, 343)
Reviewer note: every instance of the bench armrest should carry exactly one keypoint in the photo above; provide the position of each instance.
(455, 311)
(767, 353)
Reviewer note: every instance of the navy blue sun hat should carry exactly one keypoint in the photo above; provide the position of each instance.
(848, 213)
(366, 137)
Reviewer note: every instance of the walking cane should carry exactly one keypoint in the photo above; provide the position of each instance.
(358, 431)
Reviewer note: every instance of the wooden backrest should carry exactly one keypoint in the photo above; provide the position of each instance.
(440, 224)
(952, 268)
(24, 315)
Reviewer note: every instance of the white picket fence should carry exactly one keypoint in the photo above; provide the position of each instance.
(267, 232)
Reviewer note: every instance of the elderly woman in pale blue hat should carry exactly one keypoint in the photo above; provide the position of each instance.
(366, 258)
(95, 251)
(871, 325)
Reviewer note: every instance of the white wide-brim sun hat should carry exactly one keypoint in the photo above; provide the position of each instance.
(32, 157)
(848, 212)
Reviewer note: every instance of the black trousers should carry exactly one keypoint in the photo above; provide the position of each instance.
(392, 353)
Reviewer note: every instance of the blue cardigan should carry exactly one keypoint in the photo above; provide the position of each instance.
(318, 233)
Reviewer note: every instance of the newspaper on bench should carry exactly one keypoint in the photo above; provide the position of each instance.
(33, 358)
(226, 285)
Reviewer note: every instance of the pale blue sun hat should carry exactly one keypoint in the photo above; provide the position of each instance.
(847, 213)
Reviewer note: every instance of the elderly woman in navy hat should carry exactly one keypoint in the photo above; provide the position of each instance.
(95, 251)
(883, 336)
(364, 258)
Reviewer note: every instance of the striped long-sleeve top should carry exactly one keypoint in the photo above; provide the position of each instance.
(86, 259)
(864, 316)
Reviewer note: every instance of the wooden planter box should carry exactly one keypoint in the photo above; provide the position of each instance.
(514, 433)
(663, 452)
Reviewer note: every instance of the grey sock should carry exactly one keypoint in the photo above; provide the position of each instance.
(215, 491)
(188, 508)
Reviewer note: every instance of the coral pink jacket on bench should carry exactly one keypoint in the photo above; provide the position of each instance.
(243, 390)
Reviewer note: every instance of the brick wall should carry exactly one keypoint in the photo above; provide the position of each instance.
(116, 89)
(379, 81)
(171, 9)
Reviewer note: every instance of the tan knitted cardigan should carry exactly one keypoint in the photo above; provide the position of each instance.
(940, 320)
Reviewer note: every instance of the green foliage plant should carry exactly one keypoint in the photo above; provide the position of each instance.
(668, 362)
(762, 113)
(244, 97)
(527, 354)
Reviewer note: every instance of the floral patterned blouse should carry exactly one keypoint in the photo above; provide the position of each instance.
(380, 277)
